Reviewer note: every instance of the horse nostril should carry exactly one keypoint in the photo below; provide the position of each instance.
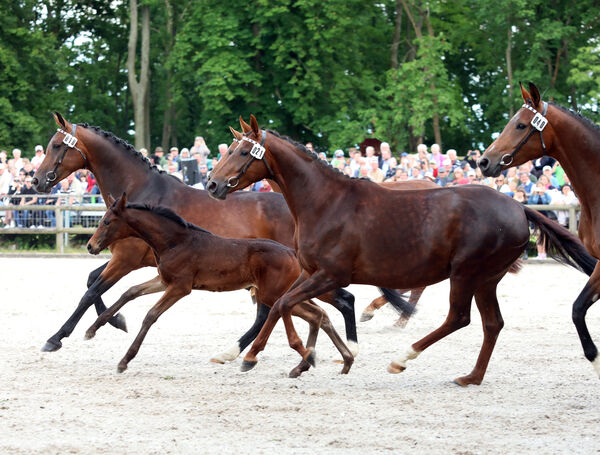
(483, 163)
(211, 187)
(35, 181)
(89, 247)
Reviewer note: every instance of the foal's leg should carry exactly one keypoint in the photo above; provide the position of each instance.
(459, 316)
(118, 320)
(173, 293)
(585, 300)
(303, 289)
(491, 318)
(415, 295)
(149, 287)
(312, 314)
(369, 311)
(343, 301)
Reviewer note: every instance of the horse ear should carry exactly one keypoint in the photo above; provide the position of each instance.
(525, 94)
(245, 127)
(254, 125)
(60, 121)
(535, 94)
(110, 199)
(121, 203)
(236, 134)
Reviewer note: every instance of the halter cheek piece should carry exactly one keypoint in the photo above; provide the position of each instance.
(256, 153)
(538, 123)
(70, 141)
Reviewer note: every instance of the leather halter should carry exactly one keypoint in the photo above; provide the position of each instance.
(70, 141)
(538, 123)
(256, 153)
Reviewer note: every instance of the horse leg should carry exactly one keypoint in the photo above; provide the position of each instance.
(343, 301)
(585, 300)
(113, 272)
(415, 295)
(314, 317)
(262, 311)
(369, 311)
(149, 287)
(459, 316)
(173, 293)
(303, 288)
(491, 318)
(118, 320)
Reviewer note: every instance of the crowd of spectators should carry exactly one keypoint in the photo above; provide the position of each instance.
(542, 181)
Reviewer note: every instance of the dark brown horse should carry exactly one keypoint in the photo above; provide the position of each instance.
(539, 129)
(190, 257)
(119, 168)
(354, 231)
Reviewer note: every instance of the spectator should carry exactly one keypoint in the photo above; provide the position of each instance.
(184, 155)
(501, 185)
(472, 157)
(436, 155)
(203, 174)
(443, 177)
(416, 173)
(5, 180)
(459, 177)
(38, 158)
(144, 152)
(525, 181)
(520, 195)
(28, 167)
(18, 161)
(25, 218)
(354, 161)
(547, 172)
(4, 157)
(200, 148)
(400, 175)
(385, 160)
(173, 169)
(222, 151)
(174, 156)
(375, 174)
(310, 147)
(160, 161)
(370, 152)
(266, 186)
(537, 167)
(454, 161)
(422, 152)
(338, 158)
(322, 156)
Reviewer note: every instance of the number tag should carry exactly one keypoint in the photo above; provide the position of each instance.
(539, 122)
(70, 140)
(258, 151)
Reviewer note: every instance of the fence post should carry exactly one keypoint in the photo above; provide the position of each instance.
(573, 220)
(60, 247)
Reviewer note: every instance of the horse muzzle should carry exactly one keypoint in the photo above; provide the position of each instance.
(218, 190)
(489, 168)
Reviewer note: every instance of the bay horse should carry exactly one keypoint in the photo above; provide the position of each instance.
(574, 141)
(189, 257)
(355, 231)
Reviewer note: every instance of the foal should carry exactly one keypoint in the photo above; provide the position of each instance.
(190, 257)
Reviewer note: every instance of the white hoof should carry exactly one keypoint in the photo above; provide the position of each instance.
(408, 355)
(227, 356)
(596, 364)
(353, 346)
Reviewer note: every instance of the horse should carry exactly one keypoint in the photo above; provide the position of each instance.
(118, 167)
(189, 257)
(355, 231)
(574, 141)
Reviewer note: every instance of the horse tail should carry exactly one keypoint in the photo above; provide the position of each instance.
(516, 266)
(561, 244)
(398, 301)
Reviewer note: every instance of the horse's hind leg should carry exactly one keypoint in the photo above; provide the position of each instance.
(459, 316)
(149, 287)
(118, 320)
(343, 301)
(369, 311)
(314, 316)
(262, 311)
(491, 318)
(585, 300)
(415, 295)
(173, 293)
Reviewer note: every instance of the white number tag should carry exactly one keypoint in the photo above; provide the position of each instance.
(258, 151)
(539, 122)
(70, 140)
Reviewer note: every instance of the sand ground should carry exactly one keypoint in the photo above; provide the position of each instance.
(540, 395)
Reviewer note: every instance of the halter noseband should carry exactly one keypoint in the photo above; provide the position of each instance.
(70, 141)
(256, 153)
(538, 123)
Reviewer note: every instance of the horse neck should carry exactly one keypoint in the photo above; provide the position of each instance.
(157, 231)
(577, 149)
(299, 175)
(116, 170)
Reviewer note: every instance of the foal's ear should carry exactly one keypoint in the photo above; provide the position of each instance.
(60, 121)
(245, 127)
(121, 203)
(535, 94)
(110, 199)
(254, 125)
(526, 95)
(236, 134)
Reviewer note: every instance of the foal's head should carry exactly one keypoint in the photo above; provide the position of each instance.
(244, 162)
(112, 226)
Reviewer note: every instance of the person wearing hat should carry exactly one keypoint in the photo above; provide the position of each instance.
(547, 171)
(443, 176)
(338, 161)
(38, 157)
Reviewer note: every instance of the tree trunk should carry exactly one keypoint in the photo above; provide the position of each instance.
(437, 132)
(140, 89)
(169, 114)
(396, 37)
(509, 72)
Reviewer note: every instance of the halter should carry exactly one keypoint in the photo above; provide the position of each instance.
(69, 140)
(538, 123)
(256, 153)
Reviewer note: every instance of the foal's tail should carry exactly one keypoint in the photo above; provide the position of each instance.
(560, 243)
(398, 301)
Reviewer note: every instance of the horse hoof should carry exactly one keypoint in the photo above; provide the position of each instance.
(122, 367)
(89, 335)
(247, 365)
(366, 317)
(401, 322)
(118, 321)
(51, 346)
(311, 357)
(217, 360)
(466, 380)
(394, 368)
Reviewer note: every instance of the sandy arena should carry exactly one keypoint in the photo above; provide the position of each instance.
(539, 396)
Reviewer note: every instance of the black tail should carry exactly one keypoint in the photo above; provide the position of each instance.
(398, 301)
(560, 243)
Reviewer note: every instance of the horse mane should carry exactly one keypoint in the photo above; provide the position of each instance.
(578, 116)
(313, 156)
(125, 146)
(167, 213)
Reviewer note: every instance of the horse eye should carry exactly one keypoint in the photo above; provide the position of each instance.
(106, 222)
(244, 153)
(55, 146)
(521, 126)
